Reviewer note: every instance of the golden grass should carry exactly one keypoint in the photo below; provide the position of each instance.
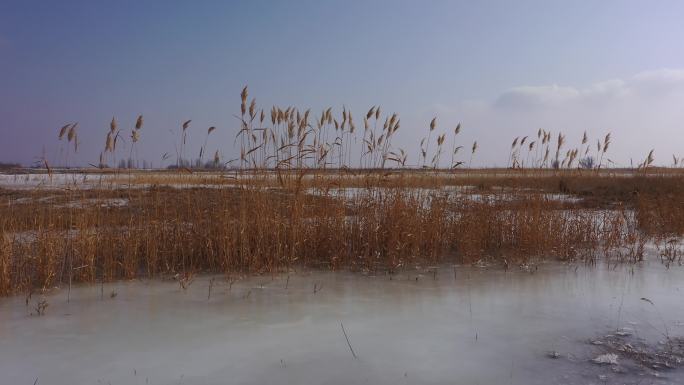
(260, 227)
(276, 208)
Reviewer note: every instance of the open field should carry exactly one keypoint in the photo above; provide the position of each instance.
(90, 227)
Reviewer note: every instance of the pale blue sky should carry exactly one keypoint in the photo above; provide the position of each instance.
(503, 68)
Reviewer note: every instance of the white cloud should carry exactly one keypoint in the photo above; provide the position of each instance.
(661, 76)
(651, 84)
(659, 83)
(528, 96)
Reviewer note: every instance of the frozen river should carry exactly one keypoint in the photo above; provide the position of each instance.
(463, 325)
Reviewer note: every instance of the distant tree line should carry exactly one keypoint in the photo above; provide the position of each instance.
(7, 166)
(130, 163)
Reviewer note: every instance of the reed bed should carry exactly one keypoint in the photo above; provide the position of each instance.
(284, 203)
(252, 229)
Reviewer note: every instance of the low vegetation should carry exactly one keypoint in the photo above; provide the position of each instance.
(299, 196)
(51, 237)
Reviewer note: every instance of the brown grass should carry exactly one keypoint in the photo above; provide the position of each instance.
(257, 226)
(276, 209)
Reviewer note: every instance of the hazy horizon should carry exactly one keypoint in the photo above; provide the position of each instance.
(502, 69)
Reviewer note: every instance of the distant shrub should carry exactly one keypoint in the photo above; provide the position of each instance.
(587, 163)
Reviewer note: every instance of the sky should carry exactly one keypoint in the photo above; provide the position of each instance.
(501, 68)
